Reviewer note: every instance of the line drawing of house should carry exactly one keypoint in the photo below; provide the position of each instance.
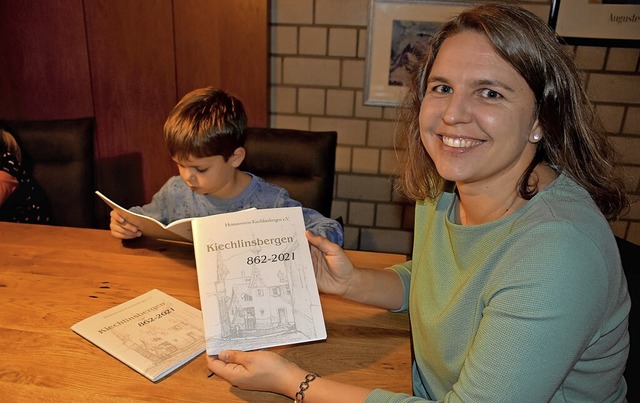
(162, 341)
(265, 303)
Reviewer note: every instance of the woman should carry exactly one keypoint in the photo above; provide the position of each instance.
(515, 289)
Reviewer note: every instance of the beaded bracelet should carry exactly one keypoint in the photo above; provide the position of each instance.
(304, 385)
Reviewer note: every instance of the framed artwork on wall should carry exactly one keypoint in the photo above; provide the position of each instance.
(398, 31)
(608, 23)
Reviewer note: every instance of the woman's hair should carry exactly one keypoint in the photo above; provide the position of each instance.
(206, 122)
(573, 140)
(9, 144)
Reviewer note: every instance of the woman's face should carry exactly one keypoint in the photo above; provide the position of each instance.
(478, 115)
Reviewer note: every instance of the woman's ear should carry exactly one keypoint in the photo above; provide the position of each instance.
(237, 157)
(536, 133)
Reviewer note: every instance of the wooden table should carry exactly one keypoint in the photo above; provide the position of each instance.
(52, 277)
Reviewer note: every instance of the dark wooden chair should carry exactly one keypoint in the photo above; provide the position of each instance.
(302, 162)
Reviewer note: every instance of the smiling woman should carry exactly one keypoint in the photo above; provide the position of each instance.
(478, 126)
(515, 288)
(512, 175)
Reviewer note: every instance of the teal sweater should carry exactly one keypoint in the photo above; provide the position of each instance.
(529, 308)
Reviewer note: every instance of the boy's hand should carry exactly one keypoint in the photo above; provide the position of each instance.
(120, 228)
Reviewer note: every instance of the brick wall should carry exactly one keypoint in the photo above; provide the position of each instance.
(318, 50)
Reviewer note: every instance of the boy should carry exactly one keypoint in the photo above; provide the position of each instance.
(205, 134)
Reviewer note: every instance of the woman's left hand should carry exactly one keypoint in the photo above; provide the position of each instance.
(257, 370)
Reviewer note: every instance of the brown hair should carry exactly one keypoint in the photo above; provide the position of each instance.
(206, 122)
(574, 141)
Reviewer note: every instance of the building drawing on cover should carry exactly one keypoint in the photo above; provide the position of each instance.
(161, 340)
(264, 303)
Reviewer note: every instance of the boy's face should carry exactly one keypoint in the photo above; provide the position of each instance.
(209, 175)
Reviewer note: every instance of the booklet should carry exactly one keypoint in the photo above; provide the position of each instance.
(179, 230)
(256, 279)
(154, 333)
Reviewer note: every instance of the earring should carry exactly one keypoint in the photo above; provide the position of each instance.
(536, 137)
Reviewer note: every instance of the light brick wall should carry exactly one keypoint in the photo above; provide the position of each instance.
(318, 51)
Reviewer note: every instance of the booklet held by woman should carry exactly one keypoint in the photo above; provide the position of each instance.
(256, 279)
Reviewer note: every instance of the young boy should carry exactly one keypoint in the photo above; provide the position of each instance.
(205, 134)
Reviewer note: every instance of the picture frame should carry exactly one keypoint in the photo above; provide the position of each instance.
(394, 27)
(606, 23)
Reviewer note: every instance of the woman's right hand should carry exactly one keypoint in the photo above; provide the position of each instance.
(334, 270)
(122, 229)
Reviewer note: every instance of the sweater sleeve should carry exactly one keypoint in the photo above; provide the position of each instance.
(321, 225)
(383, 396)
(313, 220)
(404, 272)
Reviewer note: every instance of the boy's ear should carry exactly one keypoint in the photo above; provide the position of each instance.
(237, 157)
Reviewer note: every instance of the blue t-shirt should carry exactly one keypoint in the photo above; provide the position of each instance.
(175, 200)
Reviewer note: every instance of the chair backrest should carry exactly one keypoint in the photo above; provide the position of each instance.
(302, 162)
(62, 156)
(630, 256)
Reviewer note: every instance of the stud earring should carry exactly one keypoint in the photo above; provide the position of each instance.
(536, 137)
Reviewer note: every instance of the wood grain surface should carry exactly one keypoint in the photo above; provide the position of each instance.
(52, 277)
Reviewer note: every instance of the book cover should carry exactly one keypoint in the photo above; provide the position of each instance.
(179, 230)
(154, 333)
(256, 280)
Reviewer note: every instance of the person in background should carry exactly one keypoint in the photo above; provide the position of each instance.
(21, 197)
(515, 289)
(205, 134)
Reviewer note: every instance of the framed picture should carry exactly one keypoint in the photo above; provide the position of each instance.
(610, 23)
(398, 30)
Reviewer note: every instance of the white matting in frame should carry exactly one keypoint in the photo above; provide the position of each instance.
(597, 22)
(394, 28)
(394, 25)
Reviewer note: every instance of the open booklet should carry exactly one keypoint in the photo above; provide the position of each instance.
(154, 333)
(256, 279)
(179, 230)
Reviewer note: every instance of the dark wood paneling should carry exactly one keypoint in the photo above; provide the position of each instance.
(133, 77)
(128, 66)
(197, 35)
(45, 70)
(245, 46)
(225, 44)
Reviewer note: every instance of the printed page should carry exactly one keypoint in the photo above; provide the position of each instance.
(179, 230)
(154, 333)
(256, 280)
